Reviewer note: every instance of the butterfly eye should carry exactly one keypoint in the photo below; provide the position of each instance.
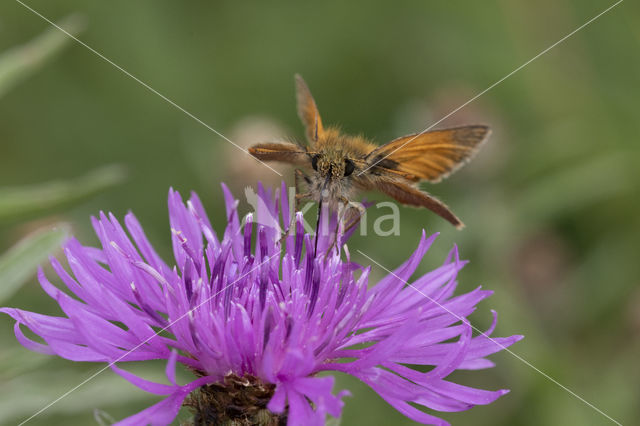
(314, 162)
(349, 167)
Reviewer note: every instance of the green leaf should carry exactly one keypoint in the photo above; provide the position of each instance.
(19, 263)
(20, 62)
(17, 202)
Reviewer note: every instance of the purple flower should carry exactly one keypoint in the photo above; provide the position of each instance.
(256, 323)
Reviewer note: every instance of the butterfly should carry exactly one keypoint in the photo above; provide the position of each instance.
(343, 164)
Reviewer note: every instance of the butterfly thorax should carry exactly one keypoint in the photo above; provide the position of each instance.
(353, 147)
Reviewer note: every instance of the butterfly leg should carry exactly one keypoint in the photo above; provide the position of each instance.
(299, 198)
(348, 205)
(339, 217)
(300, 176)
(342, 216)
(361, 211)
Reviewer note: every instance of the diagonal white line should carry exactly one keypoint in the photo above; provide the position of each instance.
(497, 343)
(496, 83)
(145, 85)
(64, 395)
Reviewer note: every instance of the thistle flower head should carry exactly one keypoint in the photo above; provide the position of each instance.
(256, 322)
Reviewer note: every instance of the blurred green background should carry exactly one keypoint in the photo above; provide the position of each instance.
(551, 204)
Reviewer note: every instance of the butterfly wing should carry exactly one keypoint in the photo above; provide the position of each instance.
(430, 156)
(307, 110)
(280, 151)
(408, 195)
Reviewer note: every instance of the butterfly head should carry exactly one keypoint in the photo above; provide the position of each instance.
(333, 166)
(332, 172)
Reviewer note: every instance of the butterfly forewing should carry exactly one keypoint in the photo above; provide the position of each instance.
(308, 111)
(280, 151)
(431, 155)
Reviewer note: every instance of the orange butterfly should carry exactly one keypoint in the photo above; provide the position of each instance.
(342, 164)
